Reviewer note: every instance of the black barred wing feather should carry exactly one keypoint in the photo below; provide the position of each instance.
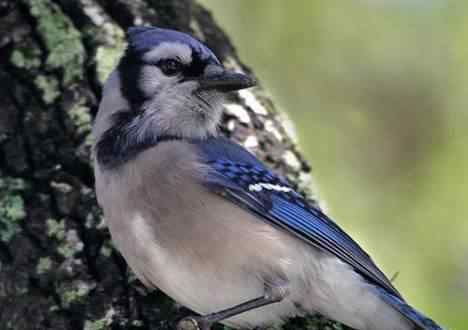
(240, 177)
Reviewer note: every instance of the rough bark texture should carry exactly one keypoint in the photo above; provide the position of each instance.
(58, 269)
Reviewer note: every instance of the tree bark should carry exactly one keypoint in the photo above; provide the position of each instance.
(58, 269)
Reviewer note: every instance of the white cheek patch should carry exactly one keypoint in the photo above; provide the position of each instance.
(169, 50)
(151, 79)
(257, 187)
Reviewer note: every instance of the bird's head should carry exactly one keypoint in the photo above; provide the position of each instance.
(165, 84)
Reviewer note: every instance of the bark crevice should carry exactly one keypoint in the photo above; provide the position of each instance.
(58, 269)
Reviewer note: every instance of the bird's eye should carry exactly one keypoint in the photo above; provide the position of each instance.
(170, 67)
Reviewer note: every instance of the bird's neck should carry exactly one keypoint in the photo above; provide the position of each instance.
(121, 142)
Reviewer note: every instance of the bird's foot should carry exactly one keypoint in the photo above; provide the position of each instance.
(193, 323)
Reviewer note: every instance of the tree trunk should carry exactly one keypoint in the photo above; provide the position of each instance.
(58, 269)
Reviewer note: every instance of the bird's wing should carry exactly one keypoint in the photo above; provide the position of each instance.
(236, 174)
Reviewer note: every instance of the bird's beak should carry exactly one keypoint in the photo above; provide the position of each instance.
(226, 81)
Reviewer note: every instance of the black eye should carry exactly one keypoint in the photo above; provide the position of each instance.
(170, 67)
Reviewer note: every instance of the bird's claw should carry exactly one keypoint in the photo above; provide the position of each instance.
(192, 323)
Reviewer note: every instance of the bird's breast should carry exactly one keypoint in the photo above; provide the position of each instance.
(200, 249)
(209, 254)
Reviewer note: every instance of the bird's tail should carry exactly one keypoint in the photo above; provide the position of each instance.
(409, 312)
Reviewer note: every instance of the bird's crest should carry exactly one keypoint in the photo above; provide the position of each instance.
(142, 39)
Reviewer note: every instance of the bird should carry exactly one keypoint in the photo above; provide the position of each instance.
(199, 217)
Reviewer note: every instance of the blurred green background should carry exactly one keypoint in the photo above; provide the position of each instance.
(378, 92)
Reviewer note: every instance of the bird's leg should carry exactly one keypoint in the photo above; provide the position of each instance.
(273, 294)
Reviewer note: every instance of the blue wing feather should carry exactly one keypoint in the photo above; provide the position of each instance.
(232, 171)
(409, 312)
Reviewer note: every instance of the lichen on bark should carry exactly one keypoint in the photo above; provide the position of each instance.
(58, 269)
(11, 207)
(60, 38)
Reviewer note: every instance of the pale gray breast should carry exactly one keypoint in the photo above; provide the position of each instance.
(209, 254)
(180, 237)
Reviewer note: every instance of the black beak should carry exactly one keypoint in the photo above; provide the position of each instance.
(226, 81)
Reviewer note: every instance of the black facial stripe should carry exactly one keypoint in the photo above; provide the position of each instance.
(169, 66)
(119, 143)
(130, 69)
(196, 67)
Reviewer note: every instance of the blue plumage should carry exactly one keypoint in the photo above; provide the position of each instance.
(234, 171)
(408, 311)
(160, 112)
(142, 39)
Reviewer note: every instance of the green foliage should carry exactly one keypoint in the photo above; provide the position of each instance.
(377, 90)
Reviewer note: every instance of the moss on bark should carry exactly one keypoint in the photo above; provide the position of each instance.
(58, 267)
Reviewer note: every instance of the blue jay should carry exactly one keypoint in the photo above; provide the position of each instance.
(202, 219)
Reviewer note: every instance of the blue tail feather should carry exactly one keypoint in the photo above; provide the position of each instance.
(409, 312)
